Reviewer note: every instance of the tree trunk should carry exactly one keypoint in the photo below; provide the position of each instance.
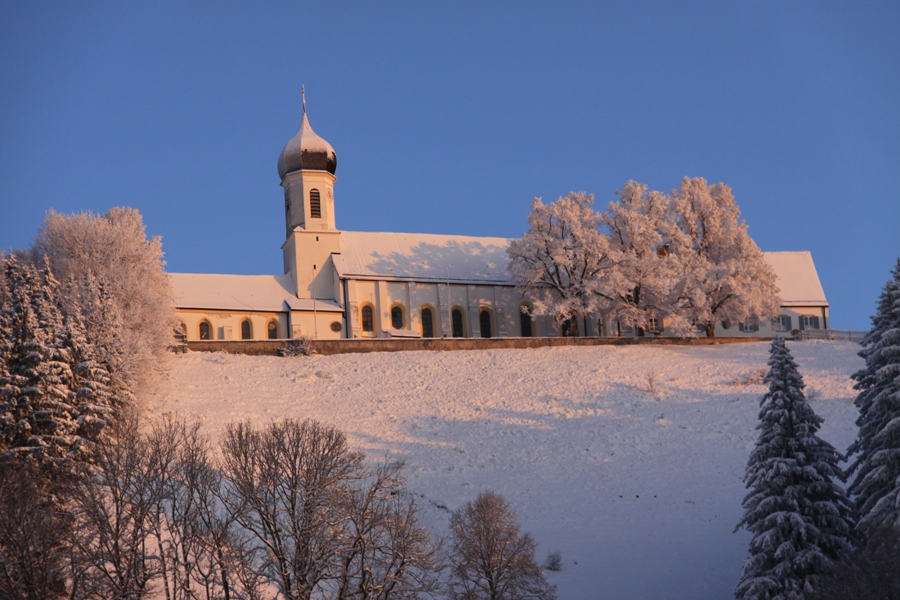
(711, 329)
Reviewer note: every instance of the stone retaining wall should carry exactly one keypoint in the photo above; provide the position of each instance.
(270, 347)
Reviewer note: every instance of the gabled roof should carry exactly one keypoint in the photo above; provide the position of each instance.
(423, 257)
(263, 293)
(797, 278)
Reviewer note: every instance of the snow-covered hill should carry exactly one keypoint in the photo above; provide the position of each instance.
(626, 459)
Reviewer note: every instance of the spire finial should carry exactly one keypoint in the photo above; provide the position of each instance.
(303, 96)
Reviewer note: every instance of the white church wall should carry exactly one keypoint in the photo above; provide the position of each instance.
(226, 325)
(323, 325)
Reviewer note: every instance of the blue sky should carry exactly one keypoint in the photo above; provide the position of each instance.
(451, 117)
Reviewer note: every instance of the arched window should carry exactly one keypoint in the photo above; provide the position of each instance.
(368, 319)
(427, 322)
(457, 318)
(484, 319)
(397, 317)
(272, 330)
(205, 330)
(246, 330)
(526, 323)
(315, 204)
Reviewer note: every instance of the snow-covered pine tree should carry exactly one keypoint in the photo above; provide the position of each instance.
(6, 321)
(876, 486)
(563, 260)
(37, 397)
(53, 396)
(801, 521)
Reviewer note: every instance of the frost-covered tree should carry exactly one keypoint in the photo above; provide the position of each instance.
(801, 520)
(639, 229)
(113, 249)
(876, 486)
(563, 261)
(724, 275)
(490, 559)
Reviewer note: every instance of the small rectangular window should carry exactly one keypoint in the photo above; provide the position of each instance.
(782, 323)
(808, 322)
(749, 326)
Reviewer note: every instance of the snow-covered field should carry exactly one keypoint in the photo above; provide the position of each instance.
(628, 460)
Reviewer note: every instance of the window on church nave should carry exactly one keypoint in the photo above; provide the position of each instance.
(246, 330)
(315, 204)
(272, 330)
(397, 317)
(457, 318)
(526, 324)
(368, 319)
(427, 322)
(484, 320)
(205, 330)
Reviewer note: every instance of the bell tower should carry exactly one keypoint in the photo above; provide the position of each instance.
(306, 167)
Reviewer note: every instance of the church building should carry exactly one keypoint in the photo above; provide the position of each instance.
(353, 284)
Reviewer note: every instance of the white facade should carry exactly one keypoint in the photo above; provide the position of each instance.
(351, 284)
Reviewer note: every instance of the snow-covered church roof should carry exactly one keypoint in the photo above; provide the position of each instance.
(423, 257)
(263, 293)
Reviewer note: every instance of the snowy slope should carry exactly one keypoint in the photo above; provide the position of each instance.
(640, 491)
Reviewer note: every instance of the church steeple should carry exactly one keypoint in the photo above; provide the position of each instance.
(306, 167)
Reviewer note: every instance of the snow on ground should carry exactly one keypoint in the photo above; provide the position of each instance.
(626, 459)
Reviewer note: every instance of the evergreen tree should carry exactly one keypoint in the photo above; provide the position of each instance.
(800, 519)
(52, 395)
(876, 486)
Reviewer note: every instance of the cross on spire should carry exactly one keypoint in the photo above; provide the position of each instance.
(303, 96)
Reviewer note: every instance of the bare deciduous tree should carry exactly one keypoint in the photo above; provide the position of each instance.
(490, 559)
(115, 507)
(34, 531)
(289, 481)
(387, 553)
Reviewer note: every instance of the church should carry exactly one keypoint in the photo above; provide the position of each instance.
(354, 284)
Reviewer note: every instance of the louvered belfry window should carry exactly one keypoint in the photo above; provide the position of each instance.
(315, 204)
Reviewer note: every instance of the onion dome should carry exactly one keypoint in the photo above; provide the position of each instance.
(306, 151)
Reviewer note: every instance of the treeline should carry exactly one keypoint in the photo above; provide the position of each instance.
(685, 257)
(285, 510)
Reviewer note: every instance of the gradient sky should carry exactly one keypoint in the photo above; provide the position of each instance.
(451, 117)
